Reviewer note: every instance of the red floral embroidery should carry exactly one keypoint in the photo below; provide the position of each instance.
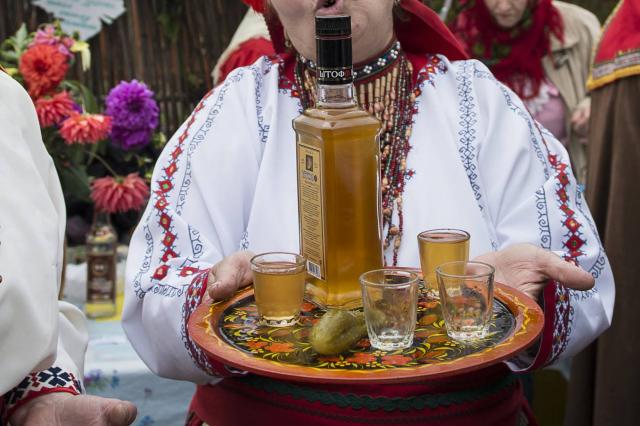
(52, 380)
(362, 358)
(280, 347)
(395, 359)
(256, 345)
(162, 187)
(574, 242)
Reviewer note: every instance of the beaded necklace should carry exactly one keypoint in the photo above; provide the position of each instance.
(384, 89)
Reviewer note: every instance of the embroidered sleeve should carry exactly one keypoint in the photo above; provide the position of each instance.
(197, 214)
(54, 379)
(527, 193)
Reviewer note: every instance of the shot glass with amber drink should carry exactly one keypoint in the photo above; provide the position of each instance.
(278, 284)
(438, 246)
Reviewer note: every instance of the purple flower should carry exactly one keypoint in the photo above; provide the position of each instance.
(134, 112)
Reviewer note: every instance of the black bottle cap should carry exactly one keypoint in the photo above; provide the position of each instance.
(333, 50)
(335, 25)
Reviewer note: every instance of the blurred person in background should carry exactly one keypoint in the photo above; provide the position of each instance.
(250, 41)
(42, 341)
(541, 49)
(605, 379)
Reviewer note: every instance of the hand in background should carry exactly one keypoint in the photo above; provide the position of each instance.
(580, 119)
(529, 268)
(65, 409)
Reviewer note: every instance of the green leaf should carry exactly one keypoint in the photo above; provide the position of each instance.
(80, 90)
(158, 140)
(10, 56)
(75, 183)
(21, 35)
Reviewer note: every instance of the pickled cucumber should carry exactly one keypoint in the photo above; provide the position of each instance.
(337, 331)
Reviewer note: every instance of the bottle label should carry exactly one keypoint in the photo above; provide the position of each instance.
(335, 75)
(101, 276)
(311, 209)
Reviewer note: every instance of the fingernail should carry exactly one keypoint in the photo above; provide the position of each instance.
(126, 413)
(133, 412)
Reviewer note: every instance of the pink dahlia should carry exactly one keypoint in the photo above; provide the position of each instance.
(85, 128)
(53, 110)
(114, 195)
(48, 35)
(43, 68)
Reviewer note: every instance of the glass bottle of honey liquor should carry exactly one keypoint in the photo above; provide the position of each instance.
(101, 267)
(338, 168)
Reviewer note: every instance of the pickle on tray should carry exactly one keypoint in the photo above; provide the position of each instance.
(337, 331)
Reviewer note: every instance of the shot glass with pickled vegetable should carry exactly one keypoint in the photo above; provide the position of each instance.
(278, 285)
(466, 298)
(390, 299)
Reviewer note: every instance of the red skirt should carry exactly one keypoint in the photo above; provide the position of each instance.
(491, 397)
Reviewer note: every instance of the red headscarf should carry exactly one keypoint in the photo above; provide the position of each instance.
(421, 32)
(514, 55)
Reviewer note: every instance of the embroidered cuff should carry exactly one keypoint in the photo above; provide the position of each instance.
(195, 294)
(54, 379)
(558, 315)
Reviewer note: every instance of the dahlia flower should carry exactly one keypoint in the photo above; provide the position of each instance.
(53, 110)
(43, 68)
(114, 195)
(134, 113)
(47, 35)
(85, 128)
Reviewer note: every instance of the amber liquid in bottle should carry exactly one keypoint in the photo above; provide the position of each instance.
(101, 268)
(338, 192)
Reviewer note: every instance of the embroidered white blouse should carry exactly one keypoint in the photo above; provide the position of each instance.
(42, 341)
(227, 181)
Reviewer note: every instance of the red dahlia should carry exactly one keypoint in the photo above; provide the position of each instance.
(43, 68)
(85, 128)
(53, 110)
(114, 195)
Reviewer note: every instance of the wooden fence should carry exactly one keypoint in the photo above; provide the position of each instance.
(170, 45)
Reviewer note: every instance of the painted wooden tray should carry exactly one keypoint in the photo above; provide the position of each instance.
(227, 331)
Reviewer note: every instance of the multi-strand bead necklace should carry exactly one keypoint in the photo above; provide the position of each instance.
(384, 89)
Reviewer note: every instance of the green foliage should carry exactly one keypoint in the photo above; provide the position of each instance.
(78, 164)
(82, 93)
(170, 16)
(11, 49)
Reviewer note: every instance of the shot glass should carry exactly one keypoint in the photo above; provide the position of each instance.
(438, 246)
(278, 284)
(390, 299)
(466, 298)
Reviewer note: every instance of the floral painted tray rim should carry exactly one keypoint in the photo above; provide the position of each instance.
(528, 325)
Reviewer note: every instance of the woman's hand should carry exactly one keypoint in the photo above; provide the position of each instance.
(529, 268)
(65, 409)
(230, 274)
(580, 118)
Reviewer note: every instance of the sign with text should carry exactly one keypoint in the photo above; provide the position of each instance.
(84, 16)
